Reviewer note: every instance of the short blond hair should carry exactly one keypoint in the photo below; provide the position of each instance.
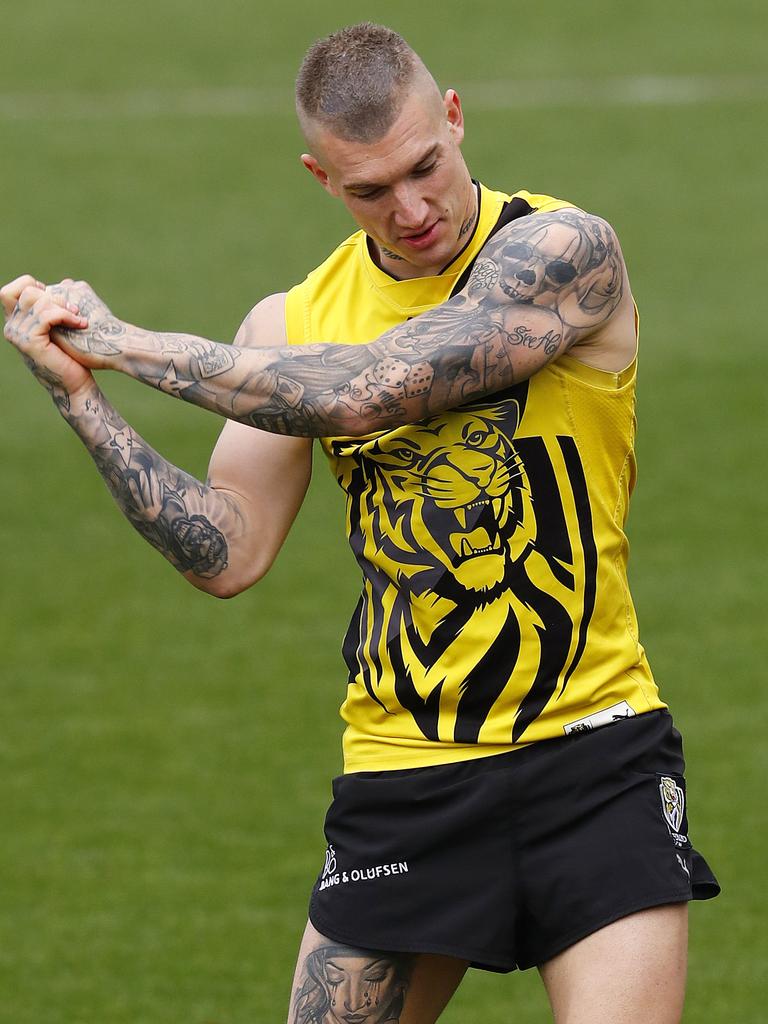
(353, 81)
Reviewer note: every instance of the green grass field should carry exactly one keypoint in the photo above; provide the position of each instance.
(166, 757)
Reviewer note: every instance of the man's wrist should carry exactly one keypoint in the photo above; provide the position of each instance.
(76, 402)
(127, 348)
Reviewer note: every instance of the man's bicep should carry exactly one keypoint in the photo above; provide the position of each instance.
(264, 326)
(267, 475)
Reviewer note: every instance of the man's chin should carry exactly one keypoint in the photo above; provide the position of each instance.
(433, 258)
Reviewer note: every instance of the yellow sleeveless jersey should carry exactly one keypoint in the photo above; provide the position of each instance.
(495, 610)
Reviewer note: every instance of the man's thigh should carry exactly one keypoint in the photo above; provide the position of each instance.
(630, 972)
(338, 984)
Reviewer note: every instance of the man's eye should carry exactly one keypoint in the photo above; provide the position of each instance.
(421, 172)
(368, 195)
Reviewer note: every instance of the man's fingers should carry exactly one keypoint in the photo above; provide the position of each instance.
(28, 296)
(9, 293)
(59, 293)
(61, 297)
(24, 291)
(30, 324)
(54, 315)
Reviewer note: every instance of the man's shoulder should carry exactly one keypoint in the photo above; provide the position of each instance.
(349, 249)
(564, 262)
(562, 219)
(265, 324)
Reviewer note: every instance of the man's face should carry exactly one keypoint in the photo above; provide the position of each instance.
(410, 191)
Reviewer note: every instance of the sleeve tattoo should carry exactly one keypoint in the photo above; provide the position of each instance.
(187, 522)
(540, 285)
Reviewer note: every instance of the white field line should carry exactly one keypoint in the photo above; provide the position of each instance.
(507, 94)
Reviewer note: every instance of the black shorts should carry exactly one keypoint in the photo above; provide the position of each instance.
(507, 860)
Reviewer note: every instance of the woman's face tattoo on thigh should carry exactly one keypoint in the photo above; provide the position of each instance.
(342, 985)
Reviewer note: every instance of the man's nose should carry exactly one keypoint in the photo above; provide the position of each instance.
(411, 209)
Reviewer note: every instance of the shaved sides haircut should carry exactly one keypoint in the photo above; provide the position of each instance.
(352, 82)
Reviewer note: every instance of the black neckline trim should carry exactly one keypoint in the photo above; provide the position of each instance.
(471, 238)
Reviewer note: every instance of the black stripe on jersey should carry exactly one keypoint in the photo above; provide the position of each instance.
(584, 515)
(425, 710)
(552, 540)
(484, 684)
(510, 211)
(555, 635)
(353, 646)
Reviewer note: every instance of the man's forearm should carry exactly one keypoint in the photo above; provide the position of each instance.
(538, 287)
(250, 385)
(457, 352)
(188, 523)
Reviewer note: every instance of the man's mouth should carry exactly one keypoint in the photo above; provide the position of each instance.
(422, 239)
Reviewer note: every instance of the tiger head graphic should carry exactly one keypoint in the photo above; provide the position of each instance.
(451, 518)
(456, 514)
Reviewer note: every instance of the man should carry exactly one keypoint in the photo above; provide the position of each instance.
(513, 792)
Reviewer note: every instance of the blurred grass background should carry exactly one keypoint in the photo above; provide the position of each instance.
(165, 757)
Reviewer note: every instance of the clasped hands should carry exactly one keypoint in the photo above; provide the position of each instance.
(58, 329)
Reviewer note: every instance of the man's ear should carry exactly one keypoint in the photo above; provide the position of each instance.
(454, 114)
(317, 172)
